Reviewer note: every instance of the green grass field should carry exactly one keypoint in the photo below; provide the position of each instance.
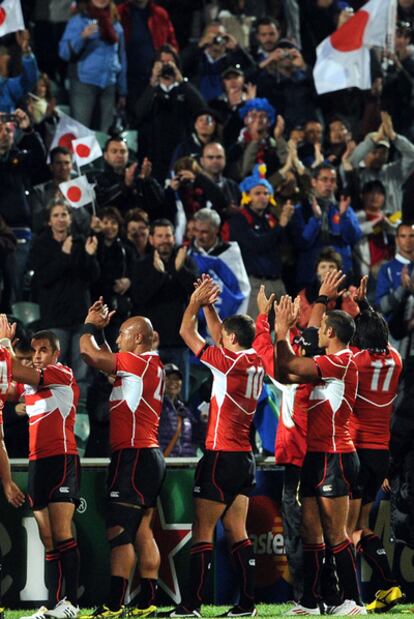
(265, 610)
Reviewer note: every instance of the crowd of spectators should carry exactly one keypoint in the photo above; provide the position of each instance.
(240, 169)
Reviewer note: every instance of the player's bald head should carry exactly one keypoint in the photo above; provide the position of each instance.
(139, 325)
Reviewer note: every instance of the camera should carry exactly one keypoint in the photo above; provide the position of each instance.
(167, 70)
(219, 39)
(8, 118)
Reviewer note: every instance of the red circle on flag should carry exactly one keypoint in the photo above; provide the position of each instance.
(350, 36)
(74, 194)
(3, 16)
(65, 140)
(83, 151)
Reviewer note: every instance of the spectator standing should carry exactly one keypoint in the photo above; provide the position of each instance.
(161, 285)
(50, 18)
(205, 131)
(164, 113)
(372, 154)
(137, 232)
(228, 104)
(64, 269)
(22, 163)
(322, 222)
(147, 28)
(260, 235)
(205, 62)
(213, 161)
(93, 43)
(14, 89)
(126, 185)
(267, 34)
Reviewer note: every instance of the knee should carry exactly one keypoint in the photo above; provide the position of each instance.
(122, 524)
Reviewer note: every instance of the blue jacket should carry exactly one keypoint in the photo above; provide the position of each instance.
(12, 89)
(343, 232)
(389, 290)
(98, 63)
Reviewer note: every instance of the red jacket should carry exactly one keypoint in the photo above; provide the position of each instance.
(159, 24)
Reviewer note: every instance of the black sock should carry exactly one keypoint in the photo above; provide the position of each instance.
(242, 553)
(53, 577)
(373, 551)
(313, 557)
(200, 563)
(117, 592)
(69, 560)
(344, 555)
(147, 592)
(330, 592)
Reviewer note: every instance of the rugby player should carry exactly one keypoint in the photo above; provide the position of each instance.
(137, 468)
(225, 475)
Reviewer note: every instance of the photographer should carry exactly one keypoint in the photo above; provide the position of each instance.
(165, 112)
(126, 185)
(286, 81)
(189, 191)
(216, 50)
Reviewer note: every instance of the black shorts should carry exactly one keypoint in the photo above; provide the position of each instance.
(372, 472)
(222, 475)
(328, 474)
(54, 480)
(135, 476)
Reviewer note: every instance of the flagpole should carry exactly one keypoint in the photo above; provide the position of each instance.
(390, 36)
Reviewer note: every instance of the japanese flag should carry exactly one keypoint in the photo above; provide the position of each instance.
(11, 17)
(67, 131)
(78, 191)
(343, 59)
(86, 149)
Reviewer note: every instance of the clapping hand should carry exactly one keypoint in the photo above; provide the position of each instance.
(99, 314)
(206, 291)
(264, 304)
(331, 283)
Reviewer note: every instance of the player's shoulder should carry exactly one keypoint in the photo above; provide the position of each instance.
(58, 372)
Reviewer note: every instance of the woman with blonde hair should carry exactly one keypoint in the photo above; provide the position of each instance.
(94, 45)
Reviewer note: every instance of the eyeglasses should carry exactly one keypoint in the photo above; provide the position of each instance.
(214, 157)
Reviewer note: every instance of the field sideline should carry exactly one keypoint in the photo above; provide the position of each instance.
(265, 610)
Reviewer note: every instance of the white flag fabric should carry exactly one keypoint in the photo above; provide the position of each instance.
(78, 191)
(68, 130)
(11, 17)
(86, 149)
(343, 59)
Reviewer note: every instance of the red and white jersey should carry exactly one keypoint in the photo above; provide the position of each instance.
(379, 374)
(237, 385)
(136, 401)
(51, 409)
(330, 403)
(5, 377)
(292, 429)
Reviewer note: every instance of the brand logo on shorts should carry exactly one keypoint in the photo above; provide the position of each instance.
(114, 494)
(197, 489)
(327, 488)
(252, 562)
(64, 489)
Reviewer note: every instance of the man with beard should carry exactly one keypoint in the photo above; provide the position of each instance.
(162, 284)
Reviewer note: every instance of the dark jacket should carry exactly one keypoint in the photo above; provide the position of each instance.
(159, 24)
(162, 297)
(111, 191)
(61, 281)
(23, 166)
(164, 119)
(115, 261)
(260, 239)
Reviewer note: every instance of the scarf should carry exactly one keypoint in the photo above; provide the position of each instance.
(105, 23)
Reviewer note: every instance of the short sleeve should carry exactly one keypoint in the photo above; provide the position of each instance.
(57, 375)
(217, 358)
(330, 367)
(128, 362)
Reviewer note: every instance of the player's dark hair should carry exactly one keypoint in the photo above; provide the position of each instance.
(243, 328)
(23, 345)
(342, 323)
(371, 332)
(49, 336)
(59, 150)
(328, 254)
(161, 223)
